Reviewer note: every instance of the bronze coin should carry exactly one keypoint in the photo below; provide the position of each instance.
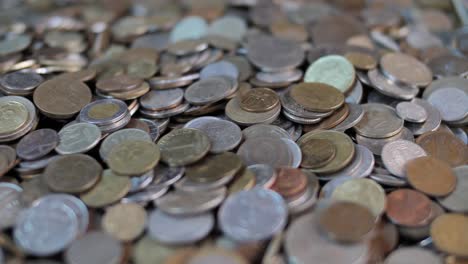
(361, 61)
(347, 222)
(119, 83)
(431, 176)
(444, 146)
(289, 182)
(259, 100)
(318, 97)
(72, 173)
(331, 121)
(408, 208)
(317, 153)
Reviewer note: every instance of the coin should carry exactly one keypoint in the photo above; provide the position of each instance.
(158, 100)
(108, 190)
(405, 68)
(333, 70)
(11, 204)
(318, 97)
(120, 136)
(416, 254)
(447, 232)
(289, 182)
(176, 230)
(411, 112)
(452, 103)
(244, 181)
(264, 174)
(133, 157)
(265, 150)
(361, 166)
(408, 207)
(118, 83)
(123, 228)
(455, 201)
(262, 130)
(183, 146)
(317, 153)
(396, 155)
(221, 68)
(14, 115)
(72, 173)
(431, 176)
(331, 121)
(78, 138)
(215, 167)
(14, 44)
(209, 90)
(20, 83)
(181, 203)
(149, 251)
(37, 144)
(191, 27)
(259, 100)
(444, 146)
(246, 118)
(379, 121)
(215, 255)
(361, 60)
(94, 247)
(388, 87)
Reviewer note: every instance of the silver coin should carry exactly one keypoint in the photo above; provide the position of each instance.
(361, 166)
(397, 153)
(166, 176)
(448, 82)
(295, 152)
(115, 126)
(265, 175)
(432, 122)
(94, 247)
(120, 136)
(120, 113)
(166, 113)
(78, 138)
(20, 83)
(157, 100)
(37, 144)
(157, 41)
(139, 183)
(172, 82)
(14, 43)
(191, 27)
(452, 103)
(253, 215)
(457, 201)
(388, 180)
(389, 88)
(417, 255)
(190, 203)
(301, 120)
(295, 132)
(362, 76)
(30, 123)
(244, 118)
(220, 68)
(160, 123)
(187, 185)
(2, 256)
(280, 77)
(224, 135)
(411, 112)
(329, 187)
(209, 90)
(376, 144)
(153, 128)
(356, 113)
(460, 133)
(355, 95)
(262, 130)
(229, 26)
(304, 242)
(379, 121)
(265, 150)
(10, 204)
(296, 109)
(378, 98)
(282, 122)
(177, 230)
(46, 230)
(150, 193)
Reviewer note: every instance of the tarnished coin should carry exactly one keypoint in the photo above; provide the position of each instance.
(166, 176)
(118, 83)
(14, 43)
(120, 136)
(14, 115)
(265, 150)
(177, 230)
(452, 103)
(209, 90)
(361, 60)
(411, 112)
(108, 190)
(37, 144)
(231, 27)
(245, 118)
(216, 255)
(10, 201)
(20, 83)
(215, 167)
(431, 176)
(361, 166)
(78, 138)
(289, 182)
(181, 203)
(104, 112)
(252, 215)
(445, 146)
(243, 182)
(265, 175)
(415, 254)
(187, 46)
(94, 247)
(333, 70)
(318, 97)
(133, 157)
(396, 154)
(72, 173)
(117, 223)
(408, 208)
(448, 234)
(158, 100)
(457, 200)
(259, 100)
(262, 130)
(148, 250)
(406, 69)
(379, 121)
(184, 146)
(220, 68)
(317, 153)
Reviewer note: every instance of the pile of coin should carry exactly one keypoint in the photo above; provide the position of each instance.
(233, 131)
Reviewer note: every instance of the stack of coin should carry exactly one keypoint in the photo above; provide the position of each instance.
(18, 117)
(108, 114)
(122, 87)
(20, 83)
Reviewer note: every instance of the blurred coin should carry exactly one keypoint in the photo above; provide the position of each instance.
(78, 138)
(444, 146)
(94, 247)
(11, 204)
(379, 121)
(191, 27)
(148, 250)
(37, 144)
(133, 157)
(158, 100)
(447, 232)
(183, 146)
(246, 118)
(120, 136)
(333, 70)
(406, 69)
(214, 168)
(416, 254)
(264, 131)
(408, 208)
(221, 68)
(456, 201)
(411, 112)
(265, 175)
(215, 255)
(317, 153)
(317, 97)
(289, 182)
(116, 223)
(209, 90)
(184, 203)
(452, 103)
(396, 154)
(265, 150)
(388, 87)
(108, 190)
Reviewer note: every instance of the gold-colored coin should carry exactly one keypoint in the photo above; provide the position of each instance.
(214, 167)
(245, 181)
(206, 254)
(13, 115)
(103, 111)
(110, 189)
(184, 146)
(449, 234)
(181, 256)
(124, 222)
(133, 157)
(317, 153)
(317, 97)
(361, 61)
(149, 251)
(259, 100)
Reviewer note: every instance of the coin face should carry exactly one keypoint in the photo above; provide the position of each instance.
(13, 115)
(37, 144)
(148, 250)
(215, 167)
(162, 99)
(411, 112)
(94, 247)
(120, 136)
(214, 255)
(123, 228)
(405, 68)
(78, 138)
(333, 70)
(180, 203)
(317, 97)
(416, 254)
(184, 146)
(452, 103)
(265, 150)
(408, 208)
(259, 100)
(379, 121)
(108, 190)
(361, 60)
(447, 233)
(396, 154)
(191, 27)
(317, 153)
(289, 182)
(133, 157)
(209, 90)
(237, 114)
(11, 204)
(444, 146)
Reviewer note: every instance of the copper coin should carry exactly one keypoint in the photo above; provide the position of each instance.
(317, 153)
(119, 83)
(259, 100)
(406, 69)
(289, 182)
(445, 146)
(431, 176)
(346, 221)
(408, 208)
(318, 97)
(361, 60)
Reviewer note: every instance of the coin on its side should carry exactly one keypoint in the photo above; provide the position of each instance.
(184, 146)
(133, 157)
(117, 223)
(108, 190)
(318, 97)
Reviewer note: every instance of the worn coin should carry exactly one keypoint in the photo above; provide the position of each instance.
(266, 150)
(14, 115)
(94, 247)
(215, 167)
(289, 182)
(235, 112)
(452, 103)
(217, 255)
(317, 153)
(259, 100)
(220, 68)
(209, 90)
(456, 201)
(158, 100)
(120, 136)
(415, 254)
(379, 121)
(148, 251)
(411, 112)
(408, 208)
(191, 27)
(396, 154)
(406, 69)
(133, 157)
(356, 113)
(78, 138)
(318, 97)
(265, 175)
(181, 203)
(445, 146)
(37, 144)
(333, 70)
(361, 166)
(390, 88)
(118, 83)
(108, 190)
(448, 234)
(116, 223)
(20, 83)
(184, 146)
(262, 130)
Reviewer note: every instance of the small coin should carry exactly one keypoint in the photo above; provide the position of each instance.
(259, 100)
(158, 100)
(444, 146)
(346, 221)
(265, 175)
(180, 203)
(117, 223)
(396, 154)
(183, 146)
(452, 103)
(235, 112)
(37, 144)
(406, 69)
(408, 208)
(456, 201)
(411, 112)
(317, 153)
(209, 90)
(215, 167)
(120, 136)
(448, 234)
(431, 176)
(108, 190)
(133, 157)
(14, 115)
(379, 121)
(333, 70)
(415, 254)
(78, 138)
(94, 247)
(266, 150)
(73, 173)
(289, 182)
(318, 97)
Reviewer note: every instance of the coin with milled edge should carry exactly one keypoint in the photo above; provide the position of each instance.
(78, 138)
(333, 70)
(37, 144)
(116, 223)
(183, 146)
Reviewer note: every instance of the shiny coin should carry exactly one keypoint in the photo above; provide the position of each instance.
(37, 144)
(289, 182)
(215, 167)
(452, 103)
(14, 115)
(78, 138)
(415, 254)
(104, 112)
(158, 100)
(184, 146)
(317, 97)
(72, 173)
(444, 146)
(408, 207)
(431, 176)
(456, 201)
(117, 223)
(120, 136)
(447, 232)
(404, 68)
(133, 157)
(379, 121)
(266, 150)
(252, 215)
(187, 203)
(94, 247)
(209, 90)
(333, 70)
(177, 230)
(317, 153)
(396, 154)
(108, 190)
(259, 100)
(246, 118)
(265, 175)
(411, 112)
(10, 199)
(376, 144)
